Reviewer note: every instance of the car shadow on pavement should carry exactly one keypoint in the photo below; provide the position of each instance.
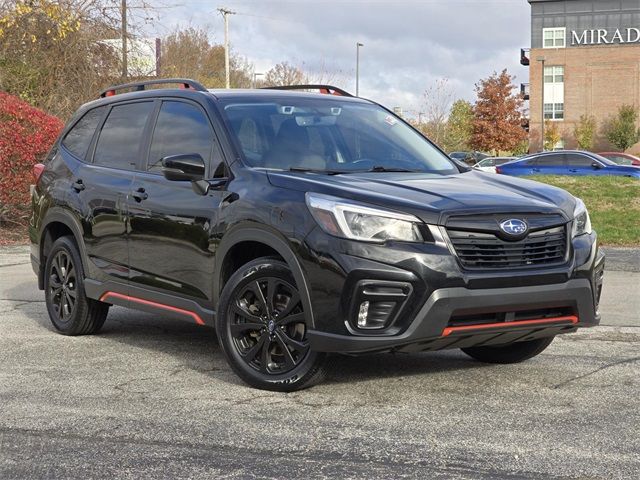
(196, 348)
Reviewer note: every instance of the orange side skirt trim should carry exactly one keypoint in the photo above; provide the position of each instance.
(161, 306)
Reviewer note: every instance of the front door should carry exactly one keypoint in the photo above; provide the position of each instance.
(171, 247)
(579, 164)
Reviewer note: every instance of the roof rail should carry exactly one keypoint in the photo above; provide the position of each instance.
(140, 86)
(326, 89)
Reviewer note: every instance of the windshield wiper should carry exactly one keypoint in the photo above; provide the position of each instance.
(380, 168)
(317, 170)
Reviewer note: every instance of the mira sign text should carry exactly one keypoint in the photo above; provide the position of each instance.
(603, 36)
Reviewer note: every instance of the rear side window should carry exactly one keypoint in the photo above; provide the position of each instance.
(78, 139)
(548, 160)
(119, 142)
(181, 128)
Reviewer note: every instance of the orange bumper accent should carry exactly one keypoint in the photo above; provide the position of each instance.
(542, 321)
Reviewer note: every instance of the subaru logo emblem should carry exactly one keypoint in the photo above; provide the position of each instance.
(513, 227)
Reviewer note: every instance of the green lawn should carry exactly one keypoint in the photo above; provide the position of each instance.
(613, 203)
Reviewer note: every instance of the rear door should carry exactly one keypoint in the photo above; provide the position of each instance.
(549, 164)
(170, 243)
(103, 185)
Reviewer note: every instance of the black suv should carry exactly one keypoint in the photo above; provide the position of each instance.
(302, 223)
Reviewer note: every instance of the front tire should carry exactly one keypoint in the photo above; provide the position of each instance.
(70, 311)
(510, 353)
(261, 328)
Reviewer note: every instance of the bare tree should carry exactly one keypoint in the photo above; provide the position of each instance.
(438, 99)
(323, 74)
(284, 74)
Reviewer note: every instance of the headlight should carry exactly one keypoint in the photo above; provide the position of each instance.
(581, 220)
(343, 218)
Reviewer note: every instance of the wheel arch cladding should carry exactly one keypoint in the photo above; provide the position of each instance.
(59, 223)
(255, 241)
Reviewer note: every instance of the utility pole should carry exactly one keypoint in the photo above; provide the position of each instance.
(358, 45)
(124, 39)
(225, 14)
(542, 60)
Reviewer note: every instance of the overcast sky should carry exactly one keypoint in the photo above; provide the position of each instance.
(408, 44)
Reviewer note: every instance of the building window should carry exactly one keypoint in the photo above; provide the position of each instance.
(554, 111)
(554, 74)
(554, 37)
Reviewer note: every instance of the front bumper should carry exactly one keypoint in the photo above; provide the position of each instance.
(526, 304)
(430, 329)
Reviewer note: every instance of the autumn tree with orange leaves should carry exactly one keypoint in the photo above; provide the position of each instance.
(498, 116)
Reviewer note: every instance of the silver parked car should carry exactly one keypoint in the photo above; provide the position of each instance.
(489, 164)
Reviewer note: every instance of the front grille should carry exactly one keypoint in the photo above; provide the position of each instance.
(486, 250)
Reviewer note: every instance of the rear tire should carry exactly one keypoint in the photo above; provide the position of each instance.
(511, 353)
(70, 311)
(261, 329)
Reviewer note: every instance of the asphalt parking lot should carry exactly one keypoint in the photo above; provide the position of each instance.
(152, 397)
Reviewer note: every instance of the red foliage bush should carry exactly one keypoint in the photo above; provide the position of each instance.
(26, 135)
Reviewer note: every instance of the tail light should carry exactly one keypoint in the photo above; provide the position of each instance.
(498, 169)
(38, 168)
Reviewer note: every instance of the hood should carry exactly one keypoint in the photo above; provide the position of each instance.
(433, 198)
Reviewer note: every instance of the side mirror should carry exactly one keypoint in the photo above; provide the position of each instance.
(183, 168)
(596, 166)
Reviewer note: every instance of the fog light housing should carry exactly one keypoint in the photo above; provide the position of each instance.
(376, 303)
(362, 314)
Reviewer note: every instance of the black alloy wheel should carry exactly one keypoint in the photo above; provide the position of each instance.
(268, 325)
(262, 328)
(70, 311)
(62, 286)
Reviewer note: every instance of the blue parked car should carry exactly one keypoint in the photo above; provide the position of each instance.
(566, 162)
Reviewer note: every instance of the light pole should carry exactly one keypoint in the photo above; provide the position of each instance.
(358, 45)
(542, 60)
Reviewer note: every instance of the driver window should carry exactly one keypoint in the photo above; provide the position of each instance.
(181, 128)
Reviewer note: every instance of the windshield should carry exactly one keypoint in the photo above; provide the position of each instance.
(329, 135)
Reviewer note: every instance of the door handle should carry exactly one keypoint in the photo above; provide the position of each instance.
(140, 194)
(78, 185)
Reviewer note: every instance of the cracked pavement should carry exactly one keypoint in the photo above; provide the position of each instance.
(151, 396)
